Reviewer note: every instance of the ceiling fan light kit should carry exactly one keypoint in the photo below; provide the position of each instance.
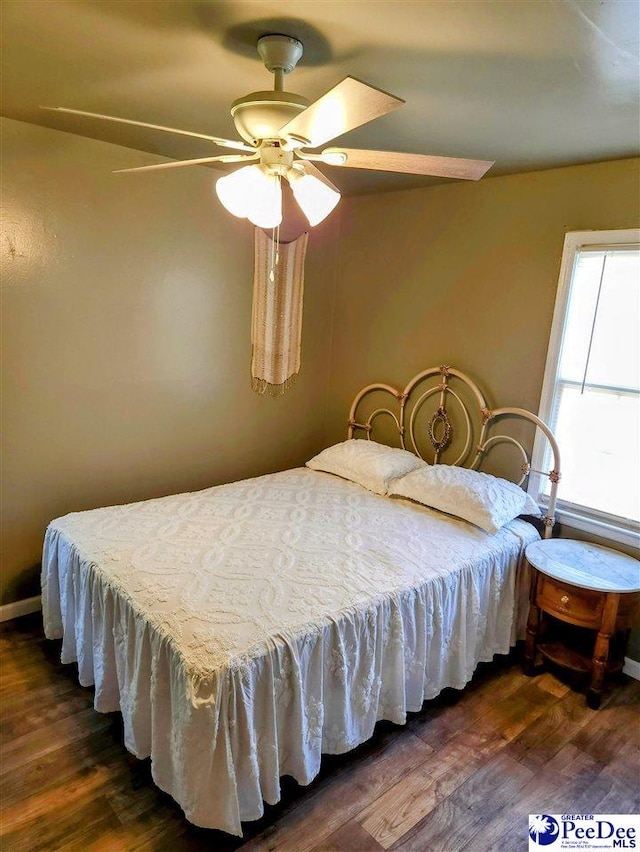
(252, 193)
(276, 126)
(315, 198)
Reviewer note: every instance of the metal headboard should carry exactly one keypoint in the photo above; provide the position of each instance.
(476, 433)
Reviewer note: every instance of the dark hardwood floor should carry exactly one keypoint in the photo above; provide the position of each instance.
(463, 774)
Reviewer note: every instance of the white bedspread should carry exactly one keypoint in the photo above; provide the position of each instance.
(245, 629)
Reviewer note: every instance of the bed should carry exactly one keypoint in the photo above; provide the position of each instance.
(244, 630)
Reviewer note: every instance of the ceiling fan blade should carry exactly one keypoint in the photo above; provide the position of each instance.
(225, 158)
(310, 169)
(414, 164)
(348, 105)
(224, 143)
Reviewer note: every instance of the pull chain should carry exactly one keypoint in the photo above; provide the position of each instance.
(275, 253)
(275, 250)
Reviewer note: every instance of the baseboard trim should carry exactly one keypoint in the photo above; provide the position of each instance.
(18, 608)
(631, 668)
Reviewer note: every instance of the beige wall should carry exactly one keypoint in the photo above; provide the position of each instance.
(463, 274)
(126, 307)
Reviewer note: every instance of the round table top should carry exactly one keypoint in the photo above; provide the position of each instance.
(590, 566)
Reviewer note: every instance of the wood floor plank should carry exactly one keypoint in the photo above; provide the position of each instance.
(467, 809)
(38, 743)
(602, 738)
(155, 829)
(34, 713)
(599, 766)
(551, 684)
(351, 836)
(390, 817)
(506, 830)
(541, 740)
(62, 764)
(18, 678)
(569, 779)
(571, 762)
(73, 824)
(607, 794)
(341, 798)
(48, 802)
(438, 726)
(19, 700)
(513, 715)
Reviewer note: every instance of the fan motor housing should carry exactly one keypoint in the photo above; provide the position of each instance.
(260, 115)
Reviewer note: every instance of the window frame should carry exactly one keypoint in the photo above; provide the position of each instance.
(582, 518)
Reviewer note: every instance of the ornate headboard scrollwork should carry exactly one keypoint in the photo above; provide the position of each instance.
(466, 438)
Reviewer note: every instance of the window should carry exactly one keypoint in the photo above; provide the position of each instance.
(591, 391)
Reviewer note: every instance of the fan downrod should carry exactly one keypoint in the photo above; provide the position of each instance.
(260, 115)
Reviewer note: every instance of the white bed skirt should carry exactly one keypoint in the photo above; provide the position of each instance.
(220, 744)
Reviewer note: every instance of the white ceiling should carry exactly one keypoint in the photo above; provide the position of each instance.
(529, 83)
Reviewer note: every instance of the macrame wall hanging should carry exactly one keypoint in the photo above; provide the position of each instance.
(276, 325)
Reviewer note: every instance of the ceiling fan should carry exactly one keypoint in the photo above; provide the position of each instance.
(278, 127)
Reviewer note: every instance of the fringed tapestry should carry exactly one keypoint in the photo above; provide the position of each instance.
(276, 326)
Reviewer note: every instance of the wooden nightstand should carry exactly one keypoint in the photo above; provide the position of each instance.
(590, 587)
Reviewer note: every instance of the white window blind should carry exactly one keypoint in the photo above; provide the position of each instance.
(591, 394)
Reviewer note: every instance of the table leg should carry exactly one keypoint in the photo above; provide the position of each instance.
(600, 658)
(533, 627)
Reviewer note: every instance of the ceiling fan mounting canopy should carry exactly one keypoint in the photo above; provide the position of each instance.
(279, 52)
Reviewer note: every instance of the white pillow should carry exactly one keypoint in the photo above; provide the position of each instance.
(369, 464)
(484, 500)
